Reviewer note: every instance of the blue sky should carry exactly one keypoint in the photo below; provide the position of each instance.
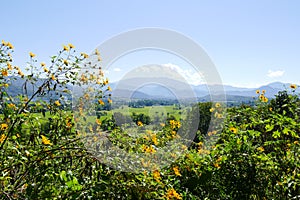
(251, 42)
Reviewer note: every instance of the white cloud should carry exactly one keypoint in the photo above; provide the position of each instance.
(116, 69)
(275, 74)
(192, 76)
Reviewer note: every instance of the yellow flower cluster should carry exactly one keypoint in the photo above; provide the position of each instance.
(176, 171)
(13, 106)
(7, 44)
(172, 194)
(217, 110)
(156, 175)
(148, 149)
(174, 124)
(262, 96)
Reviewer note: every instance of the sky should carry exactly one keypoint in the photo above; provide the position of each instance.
(251, 43)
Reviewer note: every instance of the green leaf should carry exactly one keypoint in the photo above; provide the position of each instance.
(63, 175)
(269, 127)
(276, 134)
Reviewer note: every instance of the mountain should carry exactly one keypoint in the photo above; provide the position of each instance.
(177, 89)
(165, 88)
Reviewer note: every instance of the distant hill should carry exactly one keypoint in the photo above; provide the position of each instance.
(164, 88)
(200, 91)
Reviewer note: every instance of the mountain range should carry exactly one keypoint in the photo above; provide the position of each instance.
(164, 88)
(135, 88)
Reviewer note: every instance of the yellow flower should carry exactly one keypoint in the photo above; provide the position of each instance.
(98, 121)
(5, 85)
(2, 138)
(45, 69)
(178, 124)
(217, 165)
(4, 72)
(156, 175)
(109, 100)
(265, 99)
(66, 62)
(154, 139)
(83, 78)
(212, 110)
(219, 116)
(11, 105)
(257, 91)
(45, 140)
(109, 88)
(3, 43)
(20, 73)
(261, 97)
(4, 126)
(43, 64)
(9, 67)
(106, 81)
(101, 102)
(97, 52)
(84, 55)
(68, 124)
(233, 130)
(211, 133)
(139, 123)
(86, 96)
(261, 149)
(32, 55)
(293, 86)
(176, 171)
(71, 46)
(66, 48)
(53, 77)
(147, 149)
(263, 91)
(217, 105)
(172, 194)
(9, 45)
(162, 124)
(57, 103)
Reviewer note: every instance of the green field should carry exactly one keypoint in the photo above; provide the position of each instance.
(152, 111)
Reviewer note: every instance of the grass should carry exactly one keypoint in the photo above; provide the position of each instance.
(152, 111)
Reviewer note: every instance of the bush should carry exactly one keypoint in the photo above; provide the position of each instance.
(256, 154)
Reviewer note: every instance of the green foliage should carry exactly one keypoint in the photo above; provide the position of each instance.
(43, 156)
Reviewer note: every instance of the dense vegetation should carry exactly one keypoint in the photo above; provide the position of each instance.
(255, 154)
